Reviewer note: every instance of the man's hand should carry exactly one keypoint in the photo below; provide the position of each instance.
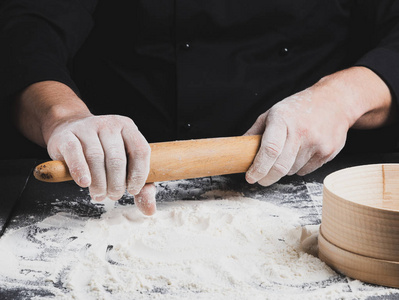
(308, 129)
(107, 153)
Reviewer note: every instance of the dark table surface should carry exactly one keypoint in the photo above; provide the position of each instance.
(25, 201)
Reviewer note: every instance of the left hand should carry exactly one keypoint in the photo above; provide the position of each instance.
(300, 134)
(308, 129)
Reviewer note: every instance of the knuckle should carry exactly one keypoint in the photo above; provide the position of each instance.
(129, 122)
(278, 113)
(271, 150)
(94, 155)
(70, 146)
(125, 123)
(325, 151)
(115, 151)
(280, 169)
(116, 162)
(142, 150)
(302, 132)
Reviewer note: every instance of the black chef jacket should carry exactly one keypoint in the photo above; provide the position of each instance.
(190, 69)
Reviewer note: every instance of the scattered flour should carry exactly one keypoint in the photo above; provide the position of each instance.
(238, 248)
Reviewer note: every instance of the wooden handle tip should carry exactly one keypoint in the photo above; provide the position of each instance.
(52, 171)
(41, 173)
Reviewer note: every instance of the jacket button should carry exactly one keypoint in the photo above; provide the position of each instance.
(185, 46)
(283, 51)
(186, 127)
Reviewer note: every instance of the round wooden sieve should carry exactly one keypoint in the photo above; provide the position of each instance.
(360, 267)
(361, 210)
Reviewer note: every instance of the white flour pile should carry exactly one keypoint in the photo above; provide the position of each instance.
(239, 248)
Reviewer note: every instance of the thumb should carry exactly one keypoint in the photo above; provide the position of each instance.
(145, 199)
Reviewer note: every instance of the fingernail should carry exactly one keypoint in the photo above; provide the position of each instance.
(98, 198)
(133, 191)
(146, 206)
(249, 178)
(84, 180)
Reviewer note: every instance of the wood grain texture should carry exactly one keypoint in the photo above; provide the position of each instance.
(359, 267)
(361, 210)
(181, 159)
(52, 171)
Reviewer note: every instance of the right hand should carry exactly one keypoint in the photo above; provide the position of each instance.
(108, 154)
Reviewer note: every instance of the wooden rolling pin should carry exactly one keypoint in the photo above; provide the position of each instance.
(181, 159)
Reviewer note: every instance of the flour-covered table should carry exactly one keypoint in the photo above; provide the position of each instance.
(212, 238)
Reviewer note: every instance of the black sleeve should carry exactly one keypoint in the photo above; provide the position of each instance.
(38, 39)
(382, 19)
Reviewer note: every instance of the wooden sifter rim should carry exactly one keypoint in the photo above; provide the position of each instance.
(383, 169)
(367, 269)
(359, 210)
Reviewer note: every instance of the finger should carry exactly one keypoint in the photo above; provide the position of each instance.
(95, 159)
(72, 152)
(284, 162)
(115, 163)
(138, 155)
(259, 126)
(145, 199)
(313, 164)
(272, 144)
(316, 161)
(303, 157)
